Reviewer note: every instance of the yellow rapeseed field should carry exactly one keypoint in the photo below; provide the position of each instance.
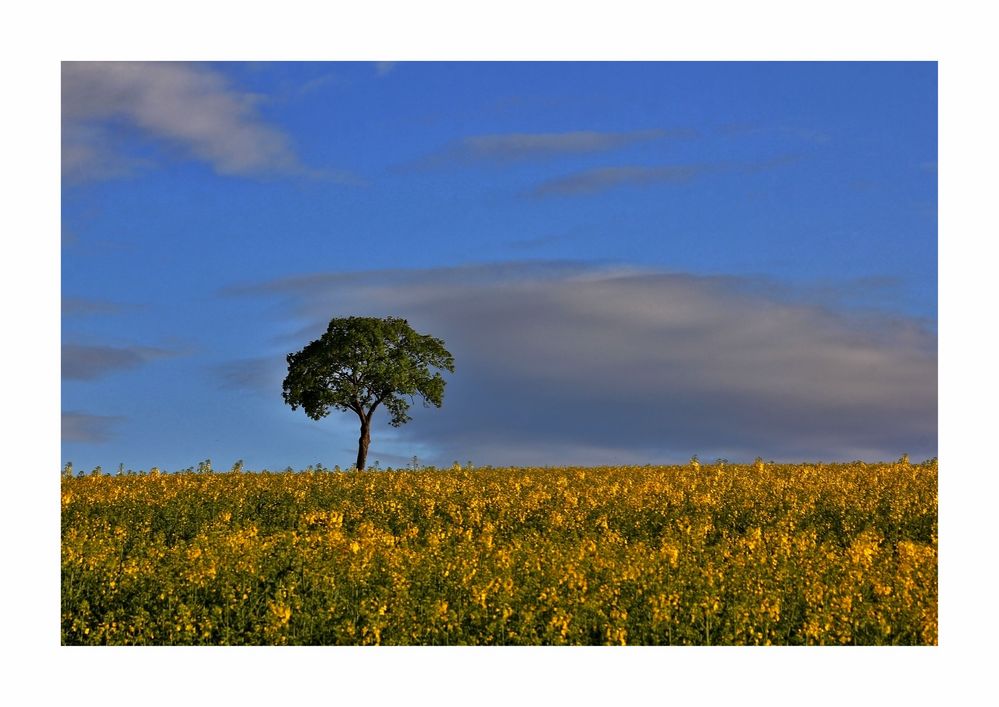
(696, 555)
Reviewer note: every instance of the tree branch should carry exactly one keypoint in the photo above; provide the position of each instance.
(371, 410)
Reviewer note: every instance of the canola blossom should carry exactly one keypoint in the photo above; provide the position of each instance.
(808, 554)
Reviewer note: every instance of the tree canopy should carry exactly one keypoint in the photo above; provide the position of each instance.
(363, 362)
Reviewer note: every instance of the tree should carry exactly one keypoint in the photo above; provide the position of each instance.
(361, 363)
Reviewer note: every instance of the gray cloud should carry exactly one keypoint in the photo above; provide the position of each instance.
(600, 179)
(83, 427)
(516, 147)
(565, 363)
(82, 306)
(798, 133)
(260, 375)
(540, 241)
(603, 178)
(91, 362)
(806, 134)
(187, 107)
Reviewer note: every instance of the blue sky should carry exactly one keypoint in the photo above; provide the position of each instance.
(631, 262)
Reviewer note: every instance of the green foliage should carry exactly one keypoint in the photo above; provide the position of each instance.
(363, 362)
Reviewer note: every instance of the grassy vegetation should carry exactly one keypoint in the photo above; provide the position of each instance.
(721, 554)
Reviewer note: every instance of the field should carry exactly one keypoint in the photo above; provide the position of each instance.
(692, 555)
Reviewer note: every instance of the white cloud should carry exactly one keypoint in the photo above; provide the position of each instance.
(188, 108)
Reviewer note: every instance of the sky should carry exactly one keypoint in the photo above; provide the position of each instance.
(631, 262)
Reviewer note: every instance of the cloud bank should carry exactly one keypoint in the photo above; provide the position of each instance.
(186, 107)
(566, 363)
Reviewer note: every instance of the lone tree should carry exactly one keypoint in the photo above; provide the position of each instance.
(361, 363)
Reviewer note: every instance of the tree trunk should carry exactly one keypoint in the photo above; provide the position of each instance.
(362, 444)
